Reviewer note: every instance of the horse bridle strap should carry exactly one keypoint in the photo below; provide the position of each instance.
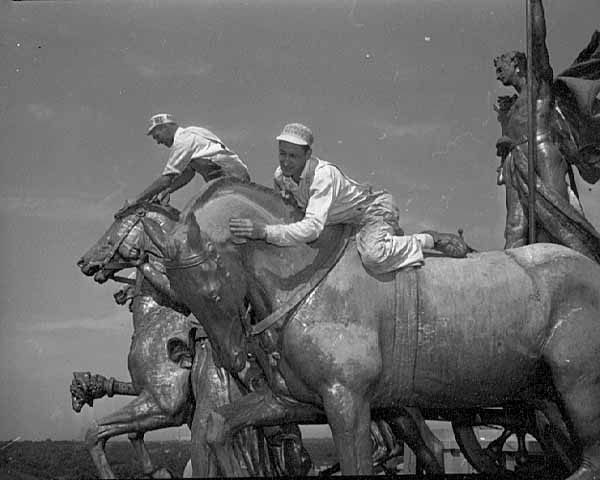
(304, 292)
(120, 279)
(140, 213)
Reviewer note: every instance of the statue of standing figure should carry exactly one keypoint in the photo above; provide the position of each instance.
(567, 114)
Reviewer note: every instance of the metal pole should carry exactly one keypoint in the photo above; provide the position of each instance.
(531, 134)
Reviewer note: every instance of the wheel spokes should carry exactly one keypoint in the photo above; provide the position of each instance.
(495, 448)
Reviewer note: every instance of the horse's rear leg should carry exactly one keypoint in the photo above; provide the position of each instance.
(138, 444)
(256, 409)
(139, 415)
(96, 447)
(349, 417)
(573, 355)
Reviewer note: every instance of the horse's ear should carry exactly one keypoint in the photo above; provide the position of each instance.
(157, 235)
(193, 229)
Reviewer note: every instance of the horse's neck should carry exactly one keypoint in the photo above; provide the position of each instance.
(276, 271)
(277, 275)
(144, 309)
(148, 303)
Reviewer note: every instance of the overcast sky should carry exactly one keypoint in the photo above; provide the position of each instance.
(399, 93)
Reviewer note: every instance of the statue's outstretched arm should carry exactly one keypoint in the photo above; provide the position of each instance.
(540, 57)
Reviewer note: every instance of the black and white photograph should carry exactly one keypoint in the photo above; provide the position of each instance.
(292, 238)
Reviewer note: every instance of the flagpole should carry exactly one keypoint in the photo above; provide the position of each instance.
(531, 134)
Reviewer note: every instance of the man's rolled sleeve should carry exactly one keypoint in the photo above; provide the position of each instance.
(304, 231)
(179, 158)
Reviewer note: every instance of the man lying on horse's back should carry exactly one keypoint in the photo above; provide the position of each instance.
(327, 196)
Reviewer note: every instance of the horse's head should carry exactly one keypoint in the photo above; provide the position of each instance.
(209, 270)
(135, 232)
(206, 275)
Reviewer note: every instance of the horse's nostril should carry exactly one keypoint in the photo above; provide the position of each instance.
(80, 262)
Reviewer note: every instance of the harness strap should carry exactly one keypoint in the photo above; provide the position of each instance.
(189, 262)
(139, 214)
(304, 292)
(406, 327)
(120, 279)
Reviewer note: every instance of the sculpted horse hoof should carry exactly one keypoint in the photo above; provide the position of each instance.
(162, 472)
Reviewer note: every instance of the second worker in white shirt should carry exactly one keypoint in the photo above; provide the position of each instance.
(193, 150)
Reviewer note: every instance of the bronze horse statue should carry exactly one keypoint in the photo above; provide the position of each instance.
(120, 247)
(498, 329)
(162, 390)
(159, 318)
(169, 392)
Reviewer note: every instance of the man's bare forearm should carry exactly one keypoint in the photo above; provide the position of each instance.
(160, 184)
(181, 180)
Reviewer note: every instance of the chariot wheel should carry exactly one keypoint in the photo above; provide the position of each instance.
(524, 442)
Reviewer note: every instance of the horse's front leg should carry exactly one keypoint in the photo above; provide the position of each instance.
(413, 429)
(349, 416)
(140, 415)
(256, 409)
(138, 444)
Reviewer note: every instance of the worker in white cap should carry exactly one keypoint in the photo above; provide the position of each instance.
(327, 196)
(193, 150)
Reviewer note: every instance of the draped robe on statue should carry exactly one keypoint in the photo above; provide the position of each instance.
(576, 128)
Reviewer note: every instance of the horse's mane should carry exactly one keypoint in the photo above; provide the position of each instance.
(252, 193)
(167, 210)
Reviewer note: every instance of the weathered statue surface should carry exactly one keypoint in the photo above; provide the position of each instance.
(169, 391)
(355, 347)
(162, 353)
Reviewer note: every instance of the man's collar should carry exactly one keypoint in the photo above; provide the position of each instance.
(304, 174)
(179, 131)
(306, 168)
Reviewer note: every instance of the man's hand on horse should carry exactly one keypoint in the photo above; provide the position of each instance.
(128, 203)
(164, 197)
(246, 228)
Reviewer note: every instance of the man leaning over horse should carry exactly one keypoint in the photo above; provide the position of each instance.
(328, 196)
(192, 150)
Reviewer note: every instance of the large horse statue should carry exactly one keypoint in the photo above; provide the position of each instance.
(120, 247)
(169, 392)
(161, 322)
(497, 329)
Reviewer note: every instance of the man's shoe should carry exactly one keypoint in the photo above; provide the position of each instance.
(449, 244)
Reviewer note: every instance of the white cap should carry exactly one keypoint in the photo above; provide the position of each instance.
(297, 134)
(160, 119)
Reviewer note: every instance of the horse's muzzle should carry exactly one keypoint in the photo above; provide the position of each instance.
(88, 268)
(102, 276)
(94, 269)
